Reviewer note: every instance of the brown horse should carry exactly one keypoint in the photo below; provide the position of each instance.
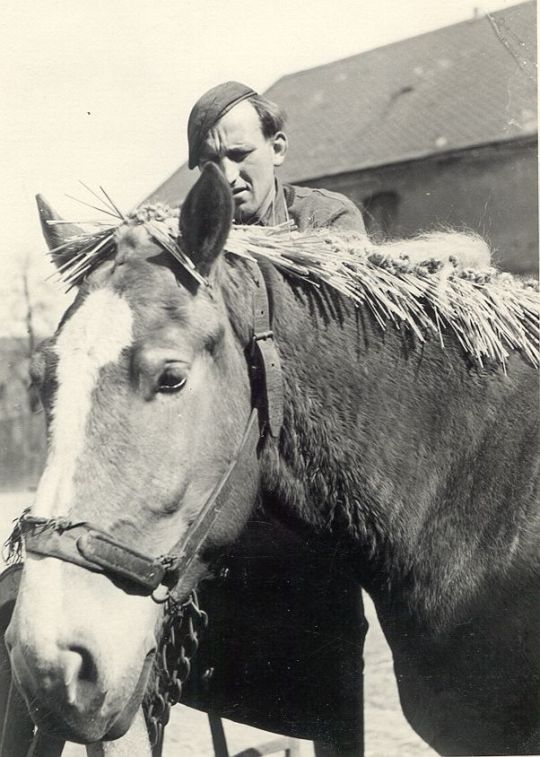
(401, 466)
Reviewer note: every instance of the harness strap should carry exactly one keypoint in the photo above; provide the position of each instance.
(267, 377)
(85, 545)
(225, 492)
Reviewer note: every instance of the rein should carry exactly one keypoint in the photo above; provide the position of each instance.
(94, 549)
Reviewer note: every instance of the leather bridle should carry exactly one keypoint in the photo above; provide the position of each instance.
(89, 546)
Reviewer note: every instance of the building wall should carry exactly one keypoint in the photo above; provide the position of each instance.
(491, 189)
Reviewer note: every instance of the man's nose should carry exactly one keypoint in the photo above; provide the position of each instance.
(230, 170)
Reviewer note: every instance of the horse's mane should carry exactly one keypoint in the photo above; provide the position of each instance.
(429, 283)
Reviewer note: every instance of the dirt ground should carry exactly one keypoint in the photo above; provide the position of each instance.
(188, 734)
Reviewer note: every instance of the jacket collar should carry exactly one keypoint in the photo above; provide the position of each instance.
(277, 210)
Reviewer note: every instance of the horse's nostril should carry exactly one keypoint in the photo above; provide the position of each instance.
(78, 670)
(86, 669)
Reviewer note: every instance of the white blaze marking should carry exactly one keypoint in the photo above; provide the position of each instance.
(94, 336)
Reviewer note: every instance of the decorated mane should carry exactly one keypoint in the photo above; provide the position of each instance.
(490, 312)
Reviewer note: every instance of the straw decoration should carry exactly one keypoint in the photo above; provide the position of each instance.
(491, 313)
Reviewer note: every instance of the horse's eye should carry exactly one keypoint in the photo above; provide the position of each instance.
(171, 380)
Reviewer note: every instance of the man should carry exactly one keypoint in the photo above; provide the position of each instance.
(286, 627)
(242, 133)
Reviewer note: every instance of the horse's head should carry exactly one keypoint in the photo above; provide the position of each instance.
(147, 394)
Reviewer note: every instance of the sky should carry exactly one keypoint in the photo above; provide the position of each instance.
(100, 90)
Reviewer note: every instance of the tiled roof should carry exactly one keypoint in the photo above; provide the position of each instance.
(464, 85)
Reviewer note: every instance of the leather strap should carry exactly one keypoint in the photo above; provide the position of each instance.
(267, 378)
(88, 546)
(233, 480)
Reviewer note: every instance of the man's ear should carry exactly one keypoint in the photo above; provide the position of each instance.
(280, 145)
(205, 218)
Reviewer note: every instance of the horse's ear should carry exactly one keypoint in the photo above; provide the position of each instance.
(57, 235)
(205, 219)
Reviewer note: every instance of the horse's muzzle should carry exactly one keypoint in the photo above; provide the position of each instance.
(61, 689)
(66, 697)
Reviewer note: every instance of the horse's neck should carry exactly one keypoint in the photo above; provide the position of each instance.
(339, 388)
(376, 430)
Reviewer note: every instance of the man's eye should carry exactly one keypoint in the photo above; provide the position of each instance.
(238, 155)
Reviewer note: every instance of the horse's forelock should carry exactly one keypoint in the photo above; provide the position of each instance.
(134, 239)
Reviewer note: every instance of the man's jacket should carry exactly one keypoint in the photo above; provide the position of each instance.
(313, 208)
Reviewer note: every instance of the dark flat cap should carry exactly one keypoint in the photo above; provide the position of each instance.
(209, 109)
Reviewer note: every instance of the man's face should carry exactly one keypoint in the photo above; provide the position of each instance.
(238, 147)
